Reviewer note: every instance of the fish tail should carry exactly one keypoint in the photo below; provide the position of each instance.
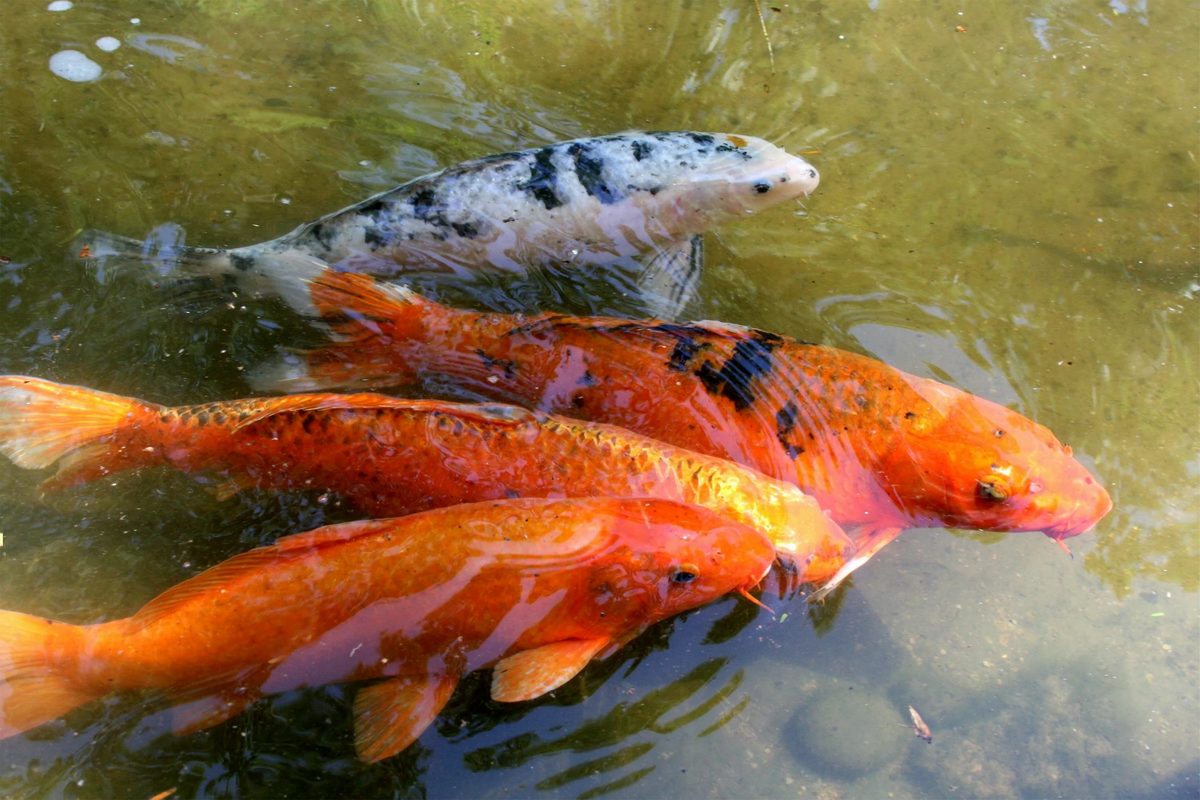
(163, 251)
(42, 422)
(37, 680)
(370, 322)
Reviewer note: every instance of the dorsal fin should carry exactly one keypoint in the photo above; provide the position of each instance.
(223, 575)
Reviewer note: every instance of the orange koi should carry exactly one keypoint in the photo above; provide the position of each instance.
(535, 588)
(392, 457)
(879, 449)
(919, 727)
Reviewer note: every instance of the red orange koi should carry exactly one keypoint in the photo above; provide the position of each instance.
(535, 588)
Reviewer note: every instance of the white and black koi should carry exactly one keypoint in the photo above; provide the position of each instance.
(586, 202)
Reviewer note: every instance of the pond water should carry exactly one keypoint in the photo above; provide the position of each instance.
(1008, 204)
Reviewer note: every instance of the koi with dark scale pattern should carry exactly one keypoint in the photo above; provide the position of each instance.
(880, 450)
(630, 199)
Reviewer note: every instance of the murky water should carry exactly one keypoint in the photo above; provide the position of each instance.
(1008, 204)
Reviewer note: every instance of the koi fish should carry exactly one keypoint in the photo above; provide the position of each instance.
(586, 202)
(919, 727)
(879, 449)
(535, 588)
(391, 456)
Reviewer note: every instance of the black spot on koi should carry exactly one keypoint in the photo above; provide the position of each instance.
(785, 423)
(641, 150)
(241, 263)
(542, 180)
(726, 147)
(589, 170)
(751, 359)
(509, 367)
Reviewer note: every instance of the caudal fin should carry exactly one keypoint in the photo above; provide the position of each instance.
(34, 686)
(162, 255)
(42, 422)
(370, 321)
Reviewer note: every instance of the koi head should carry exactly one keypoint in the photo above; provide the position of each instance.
(695, 181)
(970, 463)
(673, 557)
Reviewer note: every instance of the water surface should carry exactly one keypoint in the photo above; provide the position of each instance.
(1008, 204)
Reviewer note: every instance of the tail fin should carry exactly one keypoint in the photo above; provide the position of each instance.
(370, 322)
(42, 422)
(163, 250)
(34, 688)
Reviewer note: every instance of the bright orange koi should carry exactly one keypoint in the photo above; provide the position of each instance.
(879, 449)
(392, 457)
(536, 588)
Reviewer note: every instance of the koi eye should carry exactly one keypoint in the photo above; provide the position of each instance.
(686, 573)
(992, 489)
(762, 187)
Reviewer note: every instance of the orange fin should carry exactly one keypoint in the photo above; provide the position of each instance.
(206, 712)
(332, 534)
(232, 487)
(532, 673)
(368, 320)
(32, 690)
(869, 543)
(389, 716)
(370, 303)
(41, 421)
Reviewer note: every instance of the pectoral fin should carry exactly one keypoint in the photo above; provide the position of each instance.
(389, 716)
(869, 543)
(532, 673)
(672, 276)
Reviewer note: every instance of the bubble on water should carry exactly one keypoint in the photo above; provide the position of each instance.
(60, 5)
(74, 66)
(108, 43)
(136, 21)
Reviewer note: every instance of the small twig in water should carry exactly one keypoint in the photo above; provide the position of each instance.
(762, 21)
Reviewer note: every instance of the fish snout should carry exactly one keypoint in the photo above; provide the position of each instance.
(804, 176)
(1091, 507)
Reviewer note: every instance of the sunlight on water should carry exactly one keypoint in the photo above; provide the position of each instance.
(1007, 204)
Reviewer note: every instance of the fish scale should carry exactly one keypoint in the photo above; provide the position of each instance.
(390, 456)
(880, 450)
(638, 198)
(535, 588)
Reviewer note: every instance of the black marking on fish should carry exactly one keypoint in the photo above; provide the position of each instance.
(785, 423)
(586, 379)
(641, 149)
(374, 208)
(542, 180)
(727, 147)
(308, 421)
(424, 205)
(374, 238)
(590, 172)
(202, 418)
(701, 138)
(509, 367)
(241, 263)
(655, 190)
(466, 230)
(751, 359)
(323, 234)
